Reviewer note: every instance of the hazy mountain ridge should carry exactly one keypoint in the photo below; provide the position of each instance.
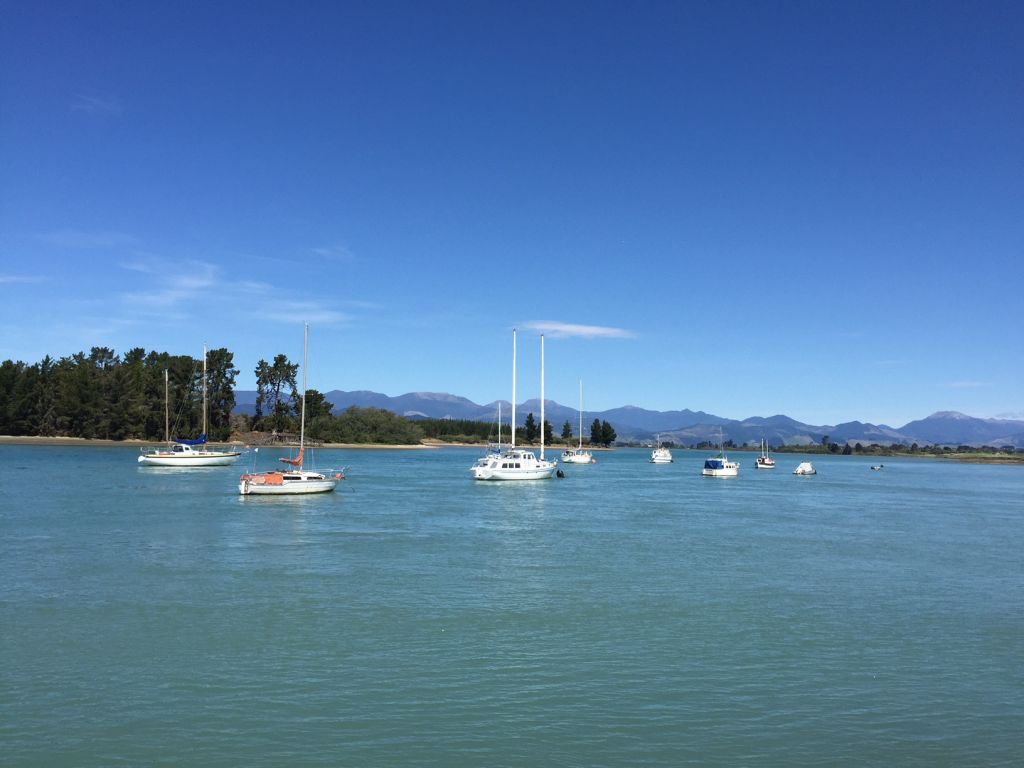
(685, 426)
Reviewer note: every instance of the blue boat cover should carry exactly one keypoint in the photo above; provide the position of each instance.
(201, 440)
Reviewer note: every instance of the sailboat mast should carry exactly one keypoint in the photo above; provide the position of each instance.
(167, 406)
(204, 390)
(305, 371)
(581, 414)
(542, 397)
(513, 387)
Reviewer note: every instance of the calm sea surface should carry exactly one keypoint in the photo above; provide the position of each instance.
(627, 615)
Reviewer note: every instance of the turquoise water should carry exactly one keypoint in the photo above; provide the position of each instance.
(627, 615)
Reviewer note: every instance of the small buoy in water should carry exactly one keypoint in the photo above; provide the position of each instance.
(560, 473)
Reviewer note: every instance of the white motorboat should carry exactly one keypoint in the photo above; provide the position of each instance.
(720, 466)
(516, 463)
(186, 453)
(764, 461)
(579, 455)
(297, 479)
(805, 468)
(660, 454)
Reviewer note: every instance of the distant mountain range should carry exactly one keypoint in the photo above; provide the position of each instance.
(685, 427)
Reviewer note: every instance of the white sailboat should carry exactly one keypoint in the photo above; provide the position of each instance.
(516, 463)
(660, 454)
(186, 453)
(764, 461)
(297, 479)
(578, 456)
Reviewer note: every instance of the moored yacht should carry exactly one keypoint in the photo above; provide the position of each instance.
(579, 455)
(805, 468)
(764, 461)
(660, 454)
(720, 466)
(296, 479)
(517, 463)
(186, 453)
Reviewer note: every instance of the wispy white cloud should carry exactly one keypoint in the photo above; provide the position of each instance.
(79, 239)
(305, 311)
(571, 330)
(96, 104)
(335, 253)
(191, 281)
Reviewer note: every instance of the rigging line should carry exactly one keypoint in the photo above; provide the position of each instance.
(179, 414)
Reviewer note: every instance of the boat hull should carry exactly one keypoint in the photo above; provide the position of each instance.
(724, 472)
(534, 473)
(661, 456)
(577, 458)
(286, 483)
(763, 464)
(194, 459)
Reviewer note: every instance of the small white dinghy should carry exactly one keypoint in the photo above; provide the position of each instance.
(805, 468)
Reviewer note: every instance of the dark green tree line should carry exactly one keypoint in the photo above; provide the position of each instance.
(102, 395)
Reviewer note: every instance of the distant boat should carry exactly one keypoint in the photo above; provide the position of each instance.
(578, 456)
(186, 453)
(720, 466)
(877, 467)
(660, 454)
(296, 480)
(516, 463)
(805, 468)
(764, 461)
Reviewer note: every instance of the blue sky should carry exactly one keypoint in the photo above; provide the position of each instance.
(746, 208)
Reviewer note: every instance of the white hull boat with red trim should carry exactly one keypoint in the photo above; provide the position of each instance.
(764, 461)
(296, 480)
(287, 482)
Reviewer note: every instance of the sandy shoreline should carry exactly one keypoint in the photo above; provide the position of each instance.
(95, 442)
(91, 442)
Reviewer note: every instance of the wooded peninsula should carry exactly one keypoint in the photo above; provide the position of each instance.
(146, 395)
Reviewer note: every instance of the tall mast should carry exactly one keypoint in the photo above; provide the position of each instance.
(167, 407)
(542, 397)
(204, 390)
(513, 387)
(581, 414)
(305, 371)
